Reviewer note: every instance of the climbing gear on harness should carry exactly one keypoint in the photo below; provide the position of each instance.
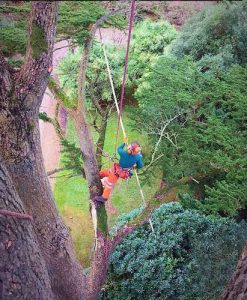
(125, 140)
(123, 173)
(100, 199)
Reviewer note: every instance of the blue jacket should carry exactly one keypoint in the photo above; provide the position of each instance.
(127, 160)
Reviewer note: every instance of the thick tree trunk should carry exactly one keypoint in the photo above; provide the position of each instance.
(30, 179)
(98, 269)
(20, 148)
(237, 286)
(23, 273)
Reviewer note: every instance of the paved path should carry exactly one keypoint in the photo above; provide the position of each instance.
(49, 140)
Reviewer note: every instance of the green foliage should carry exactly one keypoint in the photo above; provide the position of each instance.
(13, 27)
(167, 85)
(208, 136)
(38, 41)
(43, 116)
(97, 80)
(15, 63)
(116, 21)
(71, 157)
(189, 256)
(68, 102)
(13, 36)
(75, 17)
(215, 37)
(149, 40)
(23, 7)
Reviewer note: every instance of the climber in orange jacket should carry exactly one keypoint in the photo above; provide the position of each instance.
(128, 158)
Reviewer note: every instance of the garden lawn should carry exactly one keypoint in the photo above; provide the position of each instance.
(71, 193)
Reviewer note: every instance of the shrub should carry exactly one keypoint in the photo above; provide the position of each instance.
(189, 256)
(216, 36)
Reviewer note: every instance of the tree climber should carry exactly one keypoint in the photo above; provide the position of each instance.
(128, 159)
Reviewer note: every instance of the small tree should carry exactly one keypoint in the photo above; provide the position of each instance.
(196, 124)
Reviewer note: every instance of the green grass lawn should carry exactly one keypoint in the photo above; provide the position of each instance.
(71, 194)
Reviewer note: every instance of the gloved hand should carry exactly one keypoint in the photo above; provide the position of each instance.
(125, 140)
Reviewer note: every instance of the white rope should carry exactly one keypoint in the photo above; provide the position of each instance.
(143, 198)
(112, 87)
(94, 217)
(122, 126)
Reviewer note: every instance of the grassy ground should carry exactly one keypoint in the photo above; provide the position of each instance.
(71, 194)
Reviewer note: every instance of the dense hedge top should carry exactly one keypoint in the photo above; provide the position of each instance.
(189, 256)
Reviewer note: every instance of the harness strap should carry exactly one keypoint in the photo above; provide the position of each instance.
(121, 172)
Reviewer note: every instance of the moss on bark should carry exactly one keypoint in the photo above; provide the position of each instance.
(38, 41)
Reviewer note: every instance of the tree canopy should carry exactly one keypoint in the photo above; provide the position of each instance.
(188, 256)
(215, 37)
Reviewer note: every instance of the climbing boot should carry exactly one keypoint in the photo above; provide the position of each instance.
(98, 200)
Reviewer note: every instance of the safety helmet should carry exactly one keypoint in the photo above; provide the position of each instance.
(134, 148)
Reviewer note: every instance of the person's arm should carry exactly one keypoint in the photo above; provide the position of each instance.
(139, 163)
(120, 148)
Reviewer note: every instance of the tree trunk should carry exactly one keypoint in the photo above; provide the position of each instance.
(237, 286)
(98, 269)
(88, 153)
(23, 273)
(21, 95)
(101, 142)
(31, 182)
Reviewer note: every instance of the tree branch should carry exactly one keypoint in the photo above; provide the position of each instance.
(54, 171)
(5, 79)
(32, 79)
(95, 101)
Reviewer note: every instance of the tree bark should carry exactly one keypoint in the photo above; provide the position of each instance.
(237, 286)
(101, 142)
(20, 148)
(23, 273)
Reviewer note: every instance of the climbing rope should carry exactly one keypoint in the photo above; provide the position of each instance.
(112, 85)
(131, 21)
(119, 110)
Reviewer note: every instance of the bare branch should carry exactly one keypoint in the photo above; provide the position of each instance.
(151, 163)
(95, 101)
(5, 78)
(54, 171)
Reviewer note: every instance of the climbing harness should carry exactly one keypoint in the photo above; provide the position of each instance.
(123, 173)
(119, 109)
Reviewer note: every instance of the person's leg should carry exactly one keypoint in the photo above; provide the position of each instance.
(104, 173)
(109, 183)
